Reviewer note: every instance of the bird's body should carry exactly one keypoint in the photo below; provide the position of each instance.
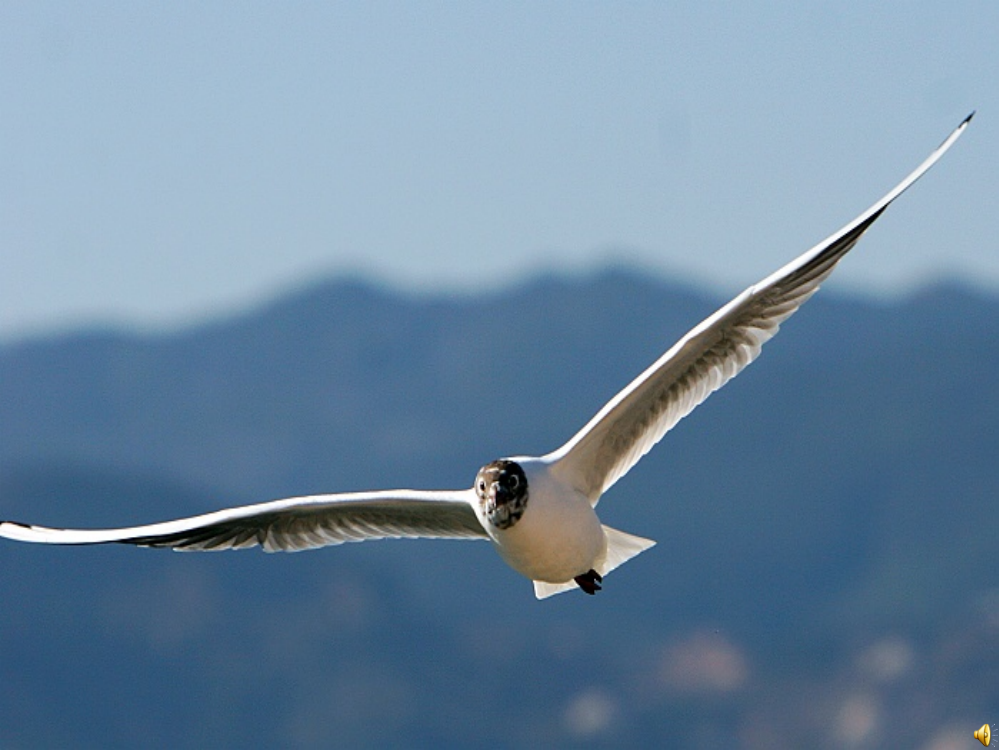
(539, 512)
(559, 535)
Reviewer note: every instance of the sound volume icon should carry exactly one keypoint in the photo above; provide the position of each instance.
(984, 735)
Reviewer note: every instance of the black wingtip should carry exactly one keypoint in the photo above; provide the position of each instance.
(967, 119)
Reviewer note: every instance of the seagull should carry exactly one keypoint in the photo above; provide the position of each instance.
(538, 511)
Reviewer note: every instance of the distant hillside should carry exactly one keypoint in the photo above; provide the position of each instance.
(836, 494)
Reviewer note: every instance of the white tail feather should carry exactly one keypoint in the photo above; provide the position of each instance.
(543, 590)
(621, 547)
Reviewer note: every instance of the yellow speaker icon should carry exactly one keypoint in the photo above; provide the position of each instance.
(984, 734)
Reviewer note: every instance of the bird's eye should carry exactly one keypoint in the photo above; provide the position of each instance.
(514, 481)
(482, 486)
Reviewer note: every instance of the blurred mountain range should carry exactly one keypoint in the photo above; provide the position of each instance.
(824, 575)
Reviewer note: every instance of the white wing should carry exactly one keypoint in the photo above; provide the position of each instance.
(710, 355)
(289, 525)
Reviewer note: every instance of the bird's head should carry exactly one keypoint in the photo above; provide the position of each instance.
(501, 487)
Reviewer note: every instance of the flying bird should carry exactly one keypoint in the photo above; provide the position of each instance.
(538, 511)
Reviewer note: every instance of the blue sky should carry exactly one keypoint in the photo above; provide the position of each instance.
(163, 162)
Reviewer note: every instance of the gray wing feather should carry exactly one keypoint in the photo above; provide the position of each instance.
(291, 524)
(710, 355)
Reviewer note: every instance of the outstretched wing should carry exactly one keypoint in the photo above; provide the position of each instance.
(291, 524)
(710, 355)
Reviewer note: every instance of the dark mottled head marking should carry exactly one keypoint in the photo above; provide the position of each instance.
(502, 490)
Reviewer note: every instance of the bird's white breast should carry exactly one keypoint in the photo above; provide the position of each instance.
(558, 537)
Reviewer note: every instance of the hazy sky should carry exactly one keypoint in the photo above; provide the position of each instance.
(160, 162)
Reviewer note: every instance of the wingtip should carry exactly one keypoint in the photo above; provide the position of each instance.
(950, 139)
(957, 132)
(18, 532)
